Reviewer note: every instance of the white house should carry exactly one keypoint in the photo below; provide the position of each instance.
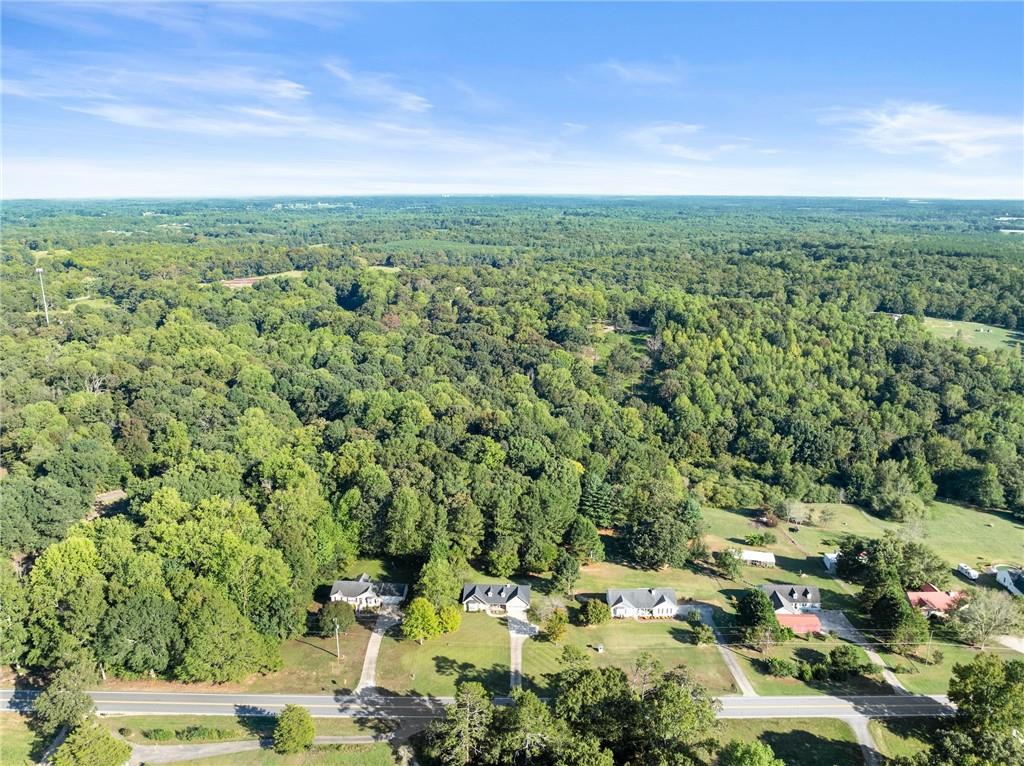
(643, 602)
(495, 598)
(758, 558)
(365, 594)
(793, 599)
(1011, 579)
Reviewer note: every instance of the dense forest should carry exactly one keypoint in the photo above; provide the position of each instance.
(487, 380)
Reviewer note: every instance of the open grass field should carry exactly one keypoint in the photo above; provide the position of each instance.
(135, 728)
(669, 641)
(800, 741)
(310, 667)
(974, 334)
(240, 282)
(896, 737)
(325, 755)
(477, 651)
(956, 532)
(810, 650)
(17, 741)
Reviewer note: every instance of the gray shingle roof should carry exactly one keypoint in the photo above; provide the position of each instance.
(495, 594)
(364, 586)
(790, 595)
(642, 598)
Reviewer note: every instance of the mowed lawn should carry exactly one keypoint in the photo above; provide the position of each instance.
(811, 650)
(17, 741)
(325, 755)
(922, 678)
(477, 651)
(974, 334)
(898, 737)
(818, 741)
(668, 641)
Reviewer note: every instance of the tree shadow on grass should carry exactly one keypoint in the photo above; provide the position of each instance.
(257, 722)
(800, 746)
(494, 679)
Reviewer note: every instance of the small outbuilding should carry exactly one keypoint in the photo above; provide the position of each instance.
(758, 558)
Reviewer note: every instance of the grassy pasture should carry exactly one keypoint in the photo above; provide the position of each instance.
(974, 334)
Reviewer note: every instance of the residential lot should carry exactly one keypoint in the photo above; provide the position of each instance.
(310, 666)
(819, 741)
(811, 649)
(897, 737)
(668, 641)
(477, 651)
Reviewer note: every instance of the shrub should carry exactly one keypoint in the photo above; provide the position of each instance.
(805, 671)
(449, 618)
(760, 539)
(198, 733)
(124, 731)
(335, 611)
(595, 612)
(294, 731)
(781, 667)
(703, 634)
(158, 735)
(556, 625)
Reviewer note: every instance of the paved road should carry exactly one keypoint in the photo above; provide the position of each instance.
(350, 706)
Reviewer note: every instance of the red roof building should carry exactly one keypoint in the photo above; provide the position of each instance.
(800, 624)
(931, 600)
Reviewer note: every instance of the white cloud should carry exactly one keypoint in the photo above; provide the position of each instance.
(494, 173)
(377, 87)
(643, 72)
(908, 128)
(126, 78)
(667, 138)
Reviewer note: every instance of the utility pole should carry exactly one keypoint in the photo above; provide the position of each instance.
(337, 641)
(46, 309)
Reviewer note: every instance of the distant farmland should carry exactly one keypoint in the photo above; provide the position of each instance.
(974, 334)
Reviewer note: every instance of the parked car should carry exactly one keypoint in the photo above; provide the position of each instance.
(966, 571)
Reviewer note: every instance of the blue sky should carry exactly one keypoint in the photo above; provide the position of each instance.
(182, 99)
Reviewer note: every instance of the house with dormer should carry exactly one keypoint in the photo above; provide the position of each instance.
(495, 598)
